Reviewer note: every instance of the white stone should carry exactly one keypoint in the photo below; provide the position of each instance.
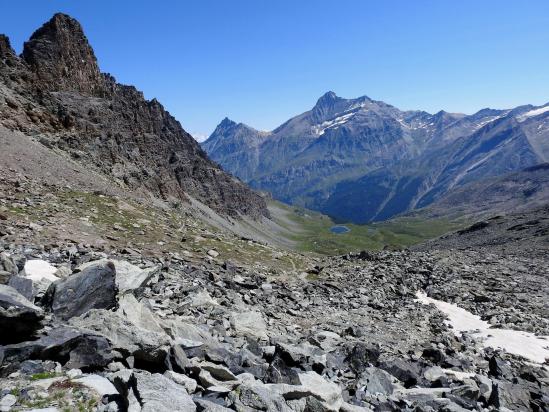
(98, 383)
(74, 373)
(38, 270)
(7, 402)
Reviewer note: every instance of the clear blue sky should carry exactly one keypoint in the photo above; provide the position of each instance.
(261, 62)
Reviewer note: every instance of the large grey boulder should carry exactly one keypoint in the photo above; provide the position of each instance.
(19, 318)
(7, 265)
(23, 285)
(93, 288)
(73, 348)
(128, 277)
(138, 313)
(249, 324)
(251, 396)
(302, 354)
(328, 394)
(325, 391)
(153, 392)
(512, 396)
(145, 345)
(183, 380)
(376, 381)
(219, 372)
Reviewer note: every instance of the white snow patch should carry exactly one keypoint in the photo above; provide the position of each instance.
(332, 124)
(37, 270)
(485, 121)
(403, 124)
(532, 347)
(358, 106)
(532, 113)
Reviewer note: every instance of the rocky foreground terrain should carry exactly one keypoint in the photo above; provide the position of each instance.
(107, 304)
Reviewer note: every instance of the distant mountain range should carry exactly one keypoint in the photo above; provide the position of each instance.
(364, 160)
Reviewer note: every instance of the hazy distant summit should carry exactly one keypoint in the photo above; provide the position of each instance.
(362, 159)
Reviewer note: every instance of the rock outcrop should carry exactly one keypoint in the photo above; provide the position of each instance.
(56, 90)
(62, 59)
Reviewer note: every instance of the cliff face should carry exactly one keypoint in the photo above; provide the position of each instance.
(56, 90)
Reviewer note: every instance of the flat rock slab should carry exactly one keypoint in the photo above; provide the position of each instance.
(160, 394)
(98, 383)
(249, 324)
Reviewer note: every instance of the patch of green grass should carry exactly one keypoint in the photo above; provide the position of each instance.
(311, 231)
(43, 375)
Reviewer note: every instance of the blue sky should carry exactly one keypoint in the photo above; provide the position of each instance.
(261, 62)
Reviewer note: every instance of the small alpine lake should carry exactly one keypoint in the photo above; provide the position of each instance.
(339, 229)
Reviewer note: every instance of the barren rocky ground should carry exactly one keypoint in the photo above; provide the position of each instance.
(130, 306)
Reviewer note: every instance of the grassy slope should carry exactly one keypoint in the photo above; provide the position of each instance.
(86, 217)
(311, 231)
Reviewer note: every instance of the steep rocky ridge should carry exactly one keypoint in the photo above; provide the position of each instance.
(517, 191)
(524, 232)
(363, 160)
(56, 93)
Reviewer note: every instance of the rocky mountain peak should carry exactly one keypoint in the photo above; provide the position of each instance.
(118, 132)
(222, 128)
(325, 106)
(62, 58)
(327, 99)
(226, 122)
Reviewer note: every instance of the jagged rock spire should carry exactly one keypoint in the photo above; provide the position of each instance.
(62, 58)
